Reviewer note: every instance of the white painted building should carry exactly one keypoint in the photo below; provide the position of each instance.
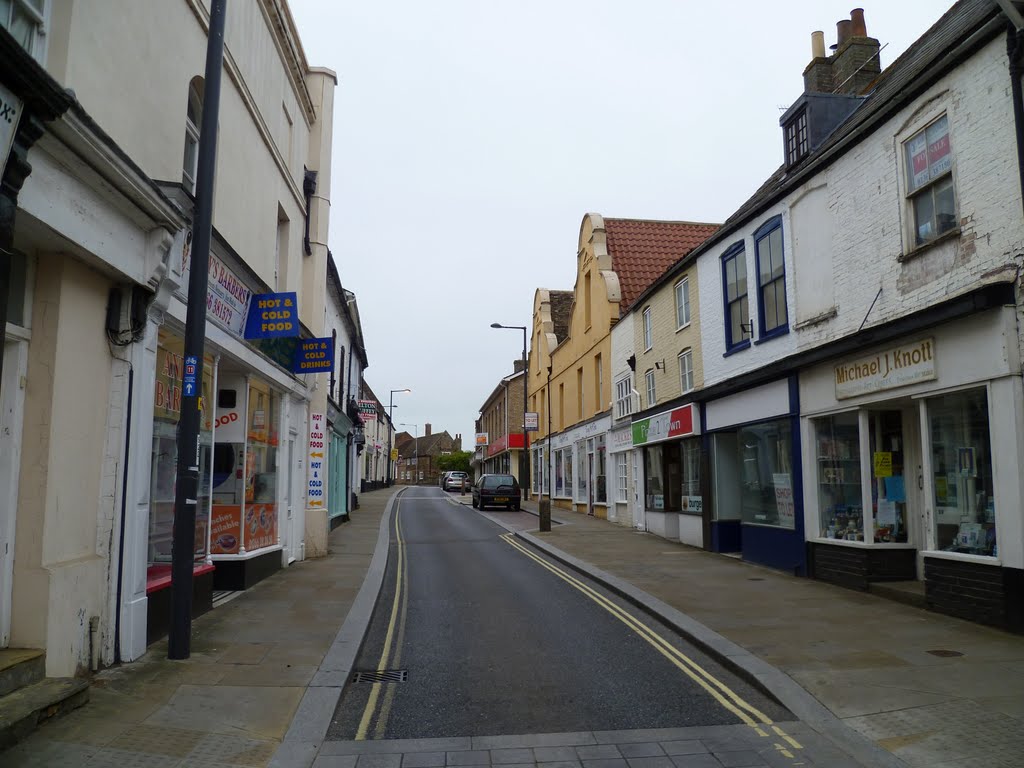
(862, 392)
(93, 343)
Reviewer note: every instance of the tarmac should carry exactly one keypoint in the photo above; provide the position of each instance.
(267, 668)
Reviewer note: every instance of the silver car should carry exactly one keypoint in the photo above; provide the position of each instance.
(453, 481)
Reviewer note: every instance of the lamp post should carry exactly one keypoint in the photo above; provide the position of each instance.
(415, 449)
(524, 458)
(391, 427)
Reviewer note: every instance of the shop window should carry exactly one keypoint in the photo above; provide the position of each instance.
(654, 478)
(261, 469)
(600, 471)
(929, 162)
(838, 476)
(664, 476)
(682, 291)
(166, 413)
(623, 397)
(621, 477)
(193, 120)
(734, 285)
(766, 474)
(648, 333)
(772, 315)
(686, 371)
(567, 472)
(582, 475)
(888, 480)
(652, 393)
(690, 449)
(962, 467)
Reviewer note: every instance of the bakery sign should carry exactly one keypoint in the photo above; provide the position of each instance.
(891, 368)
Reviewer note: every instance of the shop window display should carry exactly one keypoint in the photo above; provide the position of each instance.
(559, 484)
(582, 476)
(962, 467)
(766, 474)
(261, 468)
(167, 398)
(654, 478)
(888, 487)
(838, 468)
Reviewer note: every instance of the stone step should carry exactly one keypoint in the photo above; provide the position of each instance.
(22, 711)
(20, 667)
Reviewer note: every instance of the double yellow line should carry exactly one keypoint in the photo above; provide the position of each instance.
(393, 638)
(722, 693)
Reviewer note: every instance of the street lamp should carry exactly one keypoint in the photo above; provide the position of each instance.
(391, 426)
(524, 458)
(415, 449)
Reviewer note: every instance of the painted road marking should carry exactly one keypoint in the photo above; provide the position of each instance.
(725, 696)
(397, 610)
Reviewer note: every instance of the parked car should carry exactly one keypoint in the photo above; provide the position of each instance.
(496, 490)
(453, 480)
(442, 477)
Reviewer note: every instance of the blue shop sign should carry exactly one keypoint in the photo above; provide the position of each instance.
(314, 356)
(272, 316)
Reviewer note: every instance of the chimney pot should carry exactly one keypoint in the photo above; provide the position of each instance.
(858, 26)
(842, 32)
(817, 45)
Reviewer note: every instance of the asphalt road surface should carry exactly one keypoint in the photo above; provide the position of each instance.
(476, 634)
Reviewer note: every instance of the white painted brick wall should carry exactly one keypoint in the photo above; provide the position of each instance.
(870, 213)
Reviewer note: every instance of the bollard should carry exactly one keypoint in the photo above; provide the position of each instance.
(463, 490)
(545, 514)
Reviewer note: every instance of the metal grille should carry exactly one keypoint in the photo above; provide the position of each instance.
(381, 676)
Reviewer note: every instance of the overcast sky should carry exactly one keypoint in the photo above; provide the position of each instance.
(470, 138)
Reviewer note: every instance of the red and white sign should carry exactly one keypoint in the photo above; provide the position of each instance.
(230, 425)
(316, 474)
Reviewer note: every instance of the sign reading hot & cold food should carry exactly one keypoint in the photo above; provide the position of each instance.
(272, 316)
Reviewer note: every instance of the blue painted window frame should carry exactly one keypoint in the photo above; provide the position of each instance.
(762, 235)
(734, 251)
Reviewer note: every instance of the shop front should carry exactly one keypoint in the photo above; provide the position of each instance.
(755, 475)
(669, 446)
(339, 429)
(503, 455)
(579, 467)
(540, 469)
(914, 468)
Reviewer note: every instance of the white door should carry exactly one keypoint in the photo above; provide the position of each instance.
(12, 399)
(639, 518)
(289, 498)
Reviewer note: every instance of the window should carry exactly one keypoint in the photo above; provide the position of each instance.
(683, 303)
(621, 477)
(598, 384)
(623, 397)
(586, 300)
(652, 396)
(24, 20)
(686, 371)
(771, 279)
(962, 466)
(929, 160)
(579, 390)
(734, 281)
(796, 138)
(561, 406)
(193, 119)
(838, 468)
(766, 474)
(647, 328)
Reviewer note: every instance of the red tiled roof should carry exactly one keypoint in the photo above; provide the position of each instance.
(642, 250)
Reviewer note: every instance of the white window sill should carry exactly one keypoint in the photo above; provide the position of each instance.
(962, 556)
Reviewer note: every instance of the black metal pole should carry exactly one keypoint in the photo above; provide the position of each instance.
(187, 486)
(391, 397)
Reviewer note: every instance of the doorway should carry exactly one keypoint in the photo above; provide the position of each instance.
(12, 407)
(896, 478)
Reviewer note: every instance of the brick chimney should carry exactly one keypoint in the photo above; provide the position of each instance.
(517, 365)
(853, 66)
(426, 430)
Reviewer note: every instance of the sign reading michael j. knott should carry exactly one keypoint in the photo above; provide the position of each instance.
(894, 367)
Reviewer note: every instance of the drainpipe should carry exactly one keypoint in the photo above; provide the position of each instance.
(1015, 53)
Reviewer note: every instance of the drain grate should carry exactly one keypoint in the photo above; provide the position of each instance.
(945, 654)
(381, 676)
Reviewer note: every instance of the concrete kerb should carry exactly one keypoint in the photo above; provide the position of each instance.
(309, 725)
(767, 678)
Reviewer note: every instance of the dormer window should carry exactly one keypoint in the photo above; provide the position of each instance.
(796, 138)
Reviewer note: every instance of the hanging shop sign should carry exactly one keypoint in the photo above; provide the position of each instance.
(895, 367)
(314, 356)
(531, 422)
(681, 422)
(272, 316)
(367, 410)
(10, 114)
(481, 439)
(316, 477)
(227, 298)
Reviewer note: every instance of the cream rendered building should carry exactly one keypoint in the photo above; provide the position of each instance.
(92, 360)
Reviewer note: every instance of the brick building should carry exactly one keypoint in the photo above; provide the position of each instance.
(418, 455)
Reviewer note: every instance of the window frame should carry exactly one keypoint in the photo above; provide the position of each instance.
(624, 402)
(40, 18)
(929, 186)
(763, 233)
(652, 387)
(797, 144)
(648, 329)
(189, 177)
(684, 283)
(621, 477)
(736, 251)
(686, 354)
